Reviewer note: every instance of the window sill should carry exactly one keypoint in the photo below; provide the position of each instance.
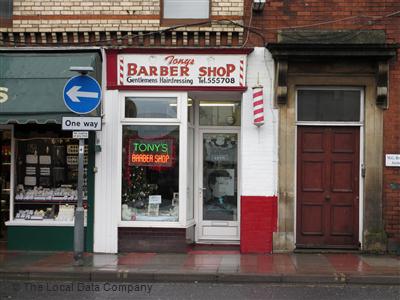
(40, 223)
(152, 224)
(190, 22)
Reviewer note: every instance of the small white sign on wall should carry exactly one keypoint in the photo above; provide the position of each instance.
(392, 160)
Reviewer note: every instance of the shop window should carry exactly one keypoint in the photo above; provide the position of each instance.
(186, 9)
(147, 107)
(46, 167)
(329, 105)
(222, 113)
(150, 173)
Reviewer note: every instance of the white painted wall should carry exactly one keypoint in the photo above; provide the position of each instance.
(259, 145)
(107, 204)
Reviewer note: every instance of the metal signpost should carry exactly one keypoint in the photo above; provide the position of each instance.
(82, 95)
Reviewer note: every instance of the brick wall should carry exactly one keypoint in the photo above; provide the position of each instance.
(100, 15)
(360, 14)
(152, 240)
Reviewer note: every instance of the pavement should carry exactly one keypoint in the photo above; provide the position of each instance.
(204, 266)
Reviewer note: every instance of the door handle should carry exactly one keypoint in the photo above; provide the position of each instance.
(327, 198)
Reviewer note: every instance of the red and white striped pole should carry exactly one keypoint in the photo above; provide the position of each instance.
(121, 71)
(258, 106)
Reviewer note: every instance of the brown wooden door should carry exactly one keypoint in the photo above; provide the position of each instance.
(327, 187)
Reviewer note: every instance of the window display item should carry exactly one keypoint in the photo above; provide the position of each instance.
(66, 213)
(153, 209)
(155, 199)
(45, 159)
(45, 171)
(32, 159)
(30, 180)
(59, 155)
(44, 181)
(175, 199)
(73, 149)
(47, 194)
(30, 171)
(58, 175)
(73, 160)
(30, 214)
(128, 213)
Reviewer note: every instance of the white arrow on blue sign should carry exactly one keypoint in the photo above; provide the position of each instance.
(82, 94)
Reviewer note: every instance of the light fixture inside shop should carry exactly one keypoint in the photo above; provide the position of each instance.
(217, 104)
(210, 104)
(258, 5)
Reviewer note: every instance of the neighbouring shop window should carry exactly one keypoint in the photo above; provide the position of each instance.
(147, 107)
(219, 113)
(46, 167)
(328, 105)
(150, 173)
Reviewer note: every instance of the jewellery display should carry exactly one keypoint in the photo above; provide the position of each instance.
(66, 213)
(47, 194)
(46, 179)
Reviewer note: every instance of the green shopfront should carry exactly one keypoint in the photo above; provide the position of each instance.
(38, 161)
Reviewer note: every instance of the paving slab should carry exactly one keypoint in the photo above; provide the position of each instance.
(210, 266)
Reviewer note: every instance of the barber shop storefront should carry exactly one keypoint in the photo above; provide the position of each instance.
(179, 137)
(38, 161)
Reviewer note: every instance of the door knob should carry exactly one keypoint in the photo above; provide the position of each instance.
(327, 198)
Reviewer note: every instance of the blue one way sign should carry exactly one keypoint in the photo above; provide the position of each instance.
(82, 94)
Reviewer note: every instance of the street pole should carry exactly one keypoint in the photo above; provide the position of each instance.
(79, 212)
(82, 95)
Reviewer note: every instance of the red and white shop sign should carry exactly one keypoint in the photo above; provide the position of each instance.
(181, 70)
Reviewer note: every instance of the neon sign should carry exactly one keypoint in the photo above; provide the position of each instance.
(153, 153)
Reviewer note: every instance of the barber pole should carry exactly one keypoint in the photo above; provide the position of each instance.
(258, 106)
(121, 70)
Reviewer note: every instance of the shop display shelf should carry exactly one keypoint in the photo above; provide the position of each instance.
(47, 201)
(44, 222)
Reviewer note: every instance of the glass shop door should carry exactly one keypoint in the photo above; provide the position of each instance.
(218, 185)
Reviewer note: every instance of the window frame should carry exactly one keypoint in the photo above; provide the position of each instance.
(331, 88)
(146, 120)
(171, 21)
(181, 122)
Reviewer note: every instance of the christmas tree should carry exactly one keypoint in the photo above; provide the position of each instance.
(136, 189)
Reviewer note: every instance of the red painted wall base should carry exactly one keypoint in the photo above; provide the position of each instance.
(258, 222)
